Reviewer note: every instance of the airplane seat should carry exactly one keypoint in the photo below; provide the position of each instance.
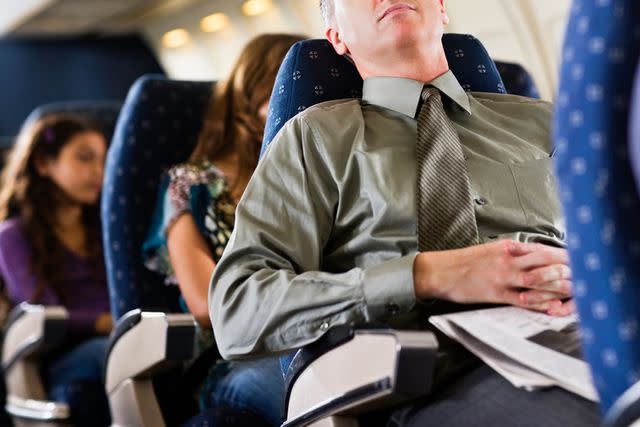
(517, 80)
(326, 382)
(600, 198)
(634, 129)
(158, 127)
(30, 332)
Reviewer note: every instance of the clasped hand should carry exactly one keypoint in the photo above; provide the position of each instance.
(528, 275)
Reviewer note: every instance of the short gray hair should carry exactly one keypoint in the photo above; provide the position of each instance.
(326, 7)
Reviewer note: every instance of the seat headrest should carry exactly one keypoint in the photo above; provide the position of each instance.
(517, 80)
(313, 72)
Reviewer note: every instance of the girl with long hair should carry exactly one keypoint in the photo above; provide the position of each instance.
(195, 217)
(50, 244)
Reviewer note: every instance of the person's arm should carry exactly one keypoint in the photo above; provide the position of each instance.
(267, 294)
(192, 264)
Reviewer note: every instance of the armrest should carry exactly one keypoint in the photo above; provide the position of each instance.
(32, 330)
(349, 372)
(144, 342)
(626, 411)
(141, 345)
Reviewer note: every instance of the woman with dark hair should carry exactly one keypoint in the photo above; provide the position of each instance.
(50, 248)
(195, 217)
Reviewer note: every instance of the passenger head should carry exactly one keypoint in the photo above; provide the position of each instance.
(238, 111)
(56, 162)
(373, 33)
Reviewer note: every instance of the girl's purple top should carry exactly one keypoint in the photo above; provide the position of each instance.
(86, 292)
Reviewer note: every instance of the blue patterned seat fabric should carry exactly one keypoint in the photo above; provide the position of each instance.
(312, 73)
(634, 130)
(517, 80)
(597, 187)
(158, 127)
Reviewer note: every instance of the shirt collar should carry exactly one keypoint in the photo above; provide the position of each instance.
(403, 95)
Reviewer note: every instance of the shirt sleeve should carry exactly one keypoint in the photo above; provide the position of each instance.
(15, 266)
(267, 294)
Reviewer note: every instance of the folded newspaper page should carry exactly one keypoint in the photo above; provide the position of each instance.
(531, 350)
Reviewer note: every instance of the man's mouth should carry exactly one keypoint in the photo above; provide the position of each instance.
(396, 8)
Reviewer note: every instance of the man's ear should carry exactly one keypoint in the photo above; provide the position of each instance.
(334, 38)
(445, 17)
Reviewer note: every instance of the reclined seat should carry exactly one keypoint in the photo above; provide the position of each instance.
(157, 128)
(32, 331)
(326, 382)
(600, 195)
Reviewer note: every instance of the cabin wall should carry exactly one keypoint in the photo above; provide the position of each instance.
(528, 32)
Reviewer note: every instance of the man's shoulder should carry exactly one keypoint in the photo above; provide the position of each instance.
(508, 100)
(330, 110)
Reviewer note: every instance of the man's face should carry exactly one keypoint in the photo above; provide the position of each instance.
(376, 29)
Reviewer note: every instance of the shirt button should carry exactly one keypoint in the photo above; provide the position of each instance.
(324, 326)
(392, 309)
(481, 201)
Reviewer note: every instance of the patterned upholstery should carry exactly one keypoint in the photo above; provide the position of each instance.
(597, 188)
(313, 73)
(158, 127)
(634, 130)
(517, 80)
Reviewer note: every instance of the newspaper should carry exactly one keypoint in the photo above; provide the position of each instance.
(531, 350)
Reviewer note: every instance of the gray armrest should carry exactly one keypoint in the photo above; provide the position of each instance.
(141, 345)
(30, 332)
(372, 369)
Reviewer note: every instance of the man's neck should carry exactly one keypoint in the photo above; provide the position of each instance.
(423, 65)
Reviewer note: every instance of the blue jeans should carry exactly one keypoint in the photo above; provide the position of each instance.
(76, 379)
(256, 386)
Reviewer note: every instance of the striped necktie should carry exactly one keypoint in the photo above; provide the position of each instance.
(446, 216)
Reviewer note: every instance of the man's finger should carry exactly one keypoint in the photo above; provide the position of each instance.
(542, 258)
(535, 298)
(567, 308)
(563, 288)
(540, 278)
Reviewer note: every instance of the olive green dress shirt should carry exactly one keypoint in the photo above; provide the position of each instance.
(325, 233)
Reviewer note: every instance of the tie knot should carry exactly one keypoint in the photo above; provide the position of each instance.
(429, 92)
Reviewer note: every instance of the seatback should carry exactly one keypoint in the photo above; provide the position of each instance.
(634, 129)
(517, 80)
(313, 72)
(157, 128)
(597, 187)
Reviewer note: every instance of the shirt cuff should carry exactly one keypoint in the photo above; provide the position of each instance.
(389, 289)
